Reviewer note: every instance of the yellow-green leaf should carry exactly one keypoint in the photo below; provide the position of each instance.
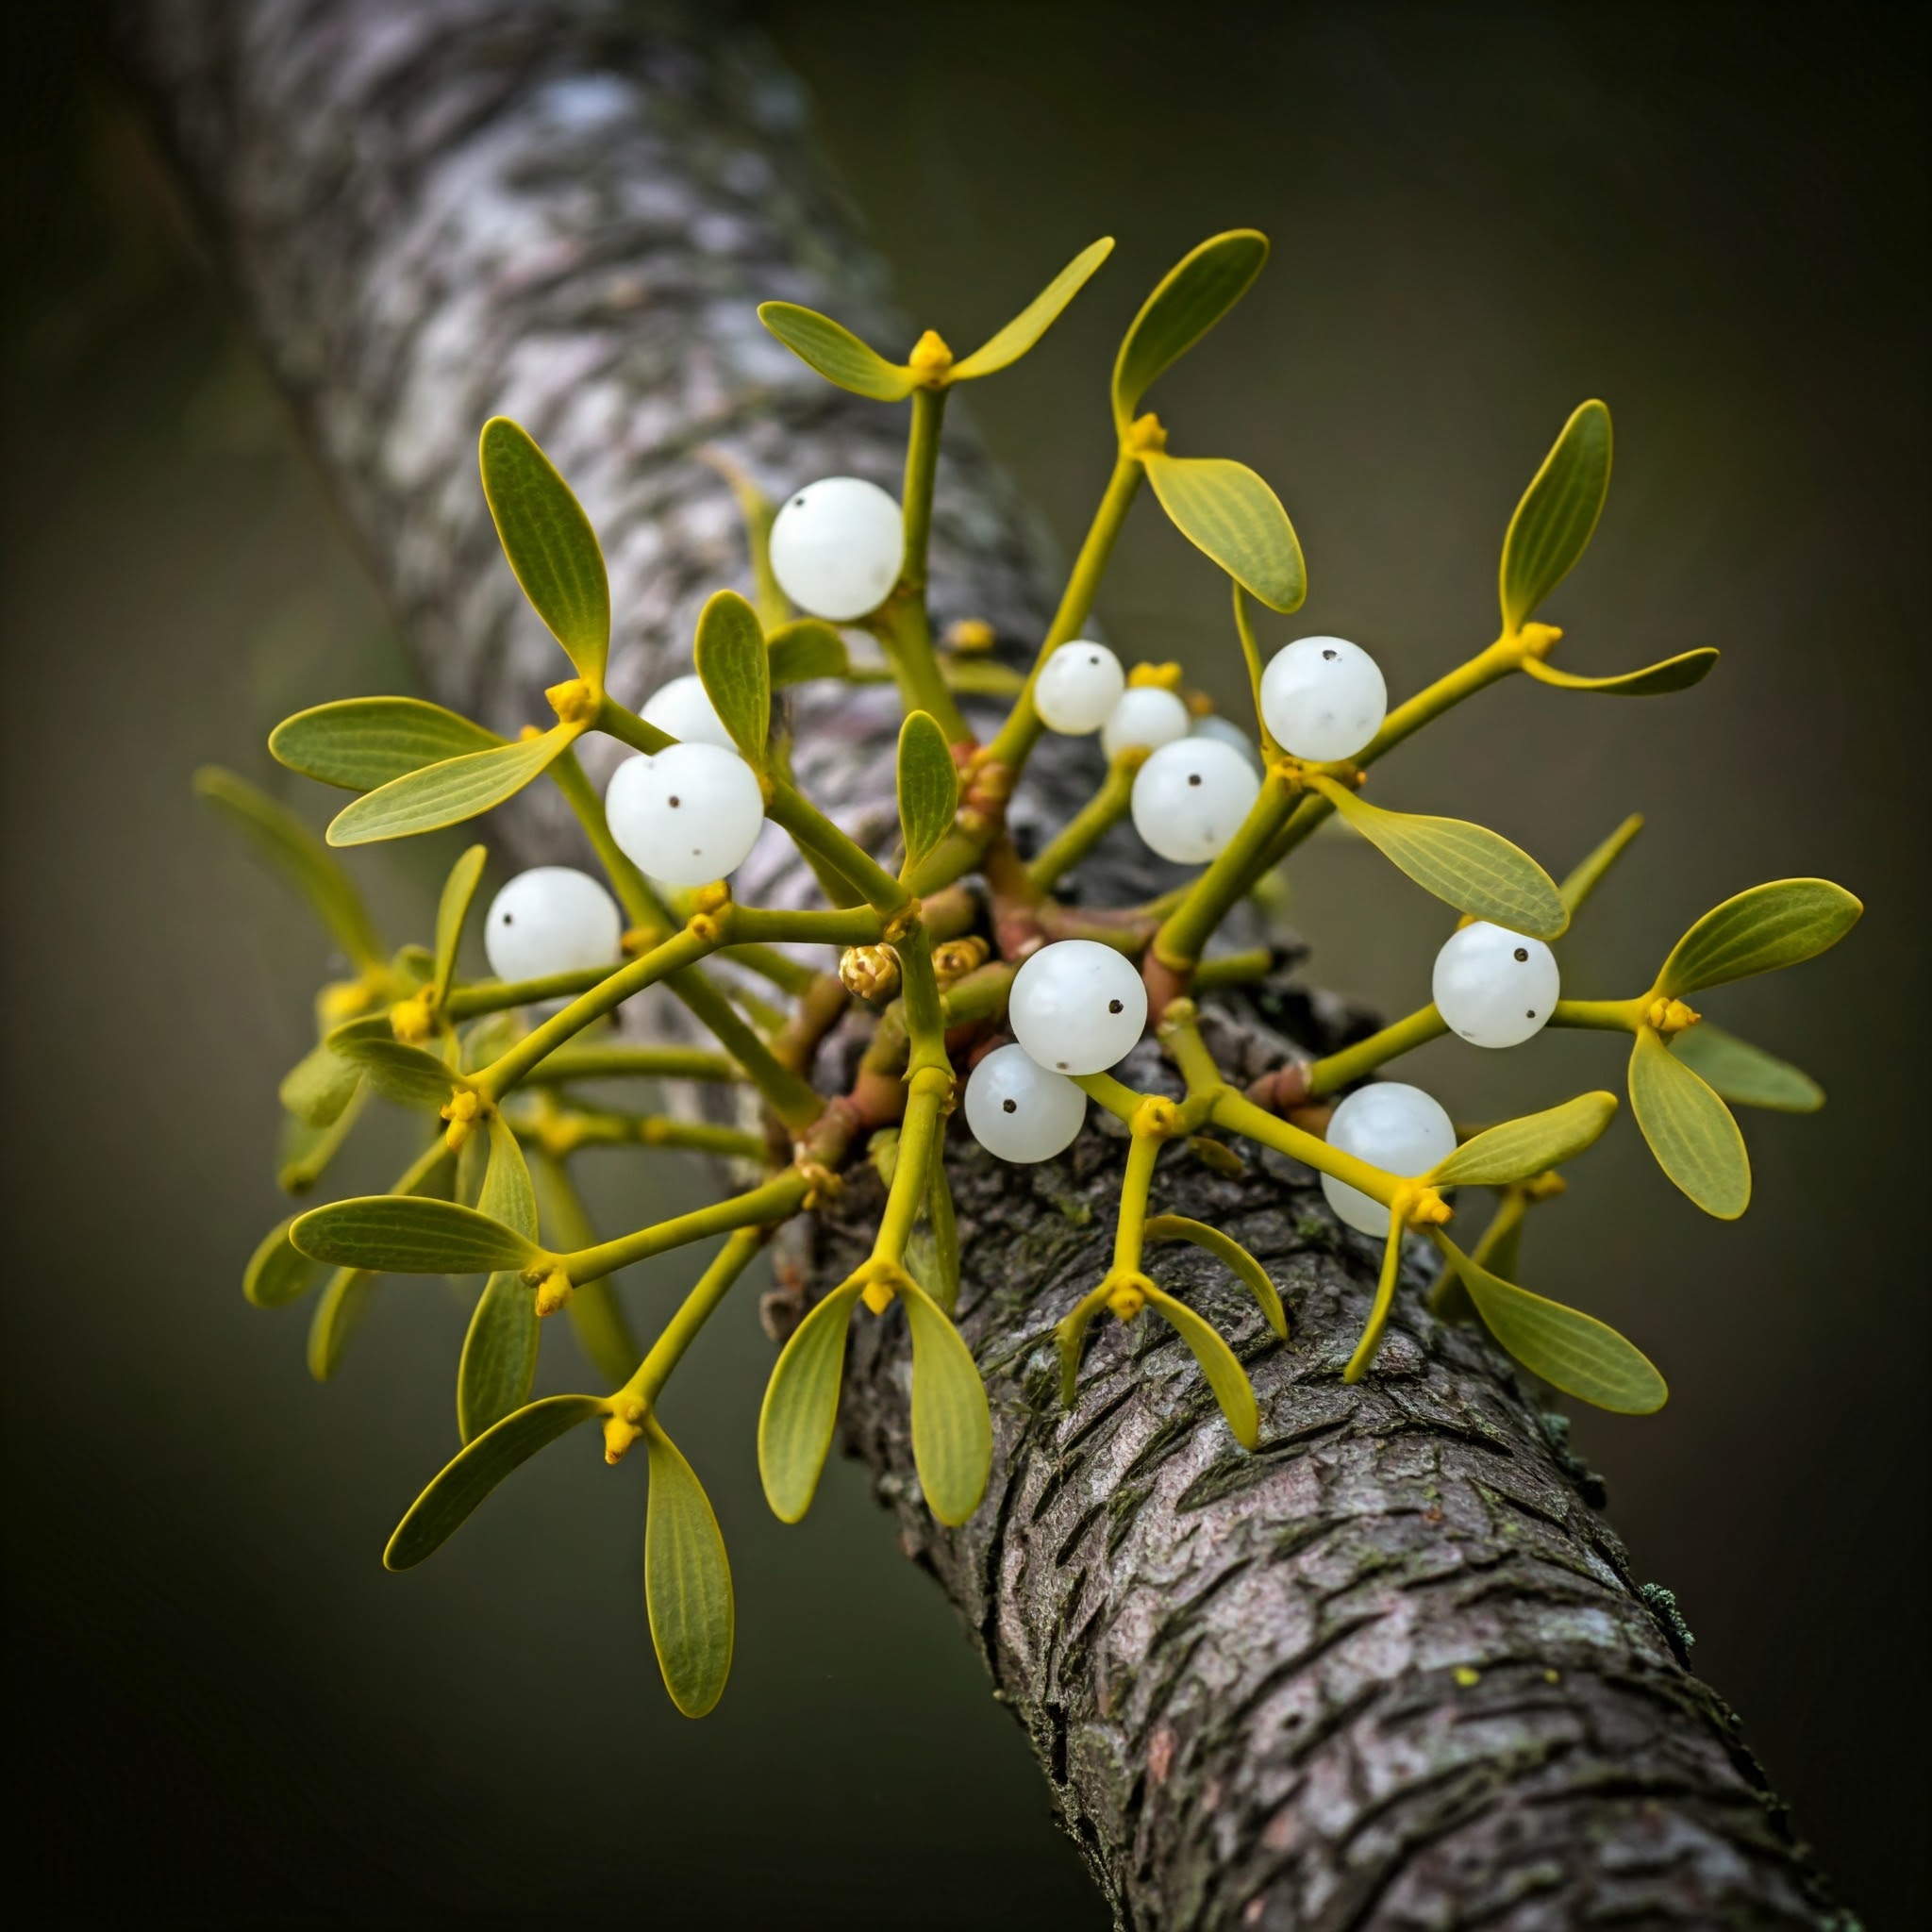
(278, 1273)
(596, 1316)
(1012, 341)
(952, 1426)
(1474, 869)
(1532, 1145)
(928, 786)
(836, 353)
(1189, 299)
(458, 890)
(397, 1071)
(1231, 1254)
(362, 742)
(550, 544)
(289, 847)
(1777, 924)
(1225, 1374)
(1569, 1350)
(443, 1507)
(735, 672)
(307, 1150)
(339, 1314)
(801, 1405)
(1673, 674)
(1691, 1131)
(499, 1359)
(1225, 510)
(944, 1225)
(320, 1085)
(403, 1234)
(1581, 882)
(1745, 1075)
(807, 648)
(1552, 524)
(433, 796)
(687, 1581)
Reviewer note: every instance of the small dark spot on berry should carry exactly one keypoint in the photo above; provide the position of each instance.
(1531, 1014)
(1009, 1106)
(1329, 657)
(509, 919)
(1113, 1005)
(1522, 954)
(675, 801)
(1062, 1065)
(1193, 778)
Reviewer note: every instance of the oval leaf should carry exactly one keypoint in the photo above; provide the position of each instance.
(735, 672)
(449, 792)
(1778, 924)
(1033, 320)
(338, 1315)
(307, 1150)
(320, 1085)
(499, 1360)
(1579, 884)
(1532, 1145)
(550, 544)
(1552, 524)
(1229, 1252)
(1190, 298)
(1744, 1075)
(463, 1483)
(1474, 869)
(1569, 1350)
(806, 649)
(951, 1425)
(458, 890)
(278, 1273)
(1675, 673)
(1225, 510)
(928, 785)
(801, 1405)
(396, 1071)
(402, 1234)
(1691, 1131)
(1225, 1374)
(362, 742)
(836, 353)
(687, 1581)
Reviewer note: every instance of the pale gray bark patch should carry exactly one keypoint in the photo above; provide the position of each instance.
(1241, 1673)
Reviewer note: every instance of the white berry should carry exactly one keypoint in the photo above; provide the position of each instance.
(552, 918)
(1145, 715)
(1397, 1128)
(1019, 1110)
(1077, 687)
(1323, 698)
(1078, 1007)
(1225, 731)
(683, 709)
(836, 548)
(1190, 797)
(1494, 987)
(687, 816)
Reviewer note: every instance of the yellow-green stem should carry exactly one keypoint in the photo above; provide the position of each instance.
(677, 1335)
(1378, 1313)
(1089, 825)
(1335, 1071)
(777, 1199)
(633, 1063)
(1212, 897)
(1130, 1232)
(1607, 1016)
(1239, 1115)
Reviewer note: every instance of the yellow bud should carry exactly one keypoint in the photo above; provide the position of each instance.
(526, 732)
(553, 1292)
(574, 701)
(930, 357)
(1545, 1187)
(619, 1433)
(870, 973)
(704, 927)
(820, 1184)
(1145, 437)
(969, 635)
(711, 898)
(461, 1113)
(342, 999)
(1671, 1016)
(902, 922)
(1162, 676)
(1539, 640)
(876, 1294)
(1156, 1117)
(413, 1020)
(1128, 1296)
(956, 958)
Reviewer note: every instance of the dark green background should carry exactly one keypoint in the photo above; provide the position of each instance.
(220, 1705)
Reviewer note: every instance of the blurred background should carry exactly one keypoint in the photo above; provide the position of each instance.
(221, 1707)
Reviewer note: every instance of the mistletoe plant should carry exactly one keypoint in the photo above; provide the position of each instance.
(979, 981)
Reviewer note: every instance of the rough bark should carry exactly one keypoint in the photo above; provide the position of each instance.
(1392, 1669)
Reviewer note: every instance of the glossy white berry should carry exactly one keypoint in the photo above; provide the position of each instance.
(1323, 698)
(1078, 1007)
(1397, 1128)
(1190, 797)
(1019, 1110)
(1077, 687)
(1145, 715)
(1225, 731)
(552, 918)
(684, 709)
(1494, 987)
(687, 816)
(836, 548)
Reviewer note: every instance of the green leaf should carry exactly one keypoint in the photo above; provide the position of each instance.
(440, 1509)
(951, 1425)
(1569, 1350)
(362, 742)
(1225, 510)
(1781, 923)
(289, 847)
(928, 785)
(836, 353)
(1190, 298)
(1532, 1145)
(1012, 341)
(338, 1315)
(1745, 1075)
(1579, 883)
(1552, 524)
(801, 1405)
(403, 1234)
(946, 1231)
(735, 672)
(596, 1315)
(550, 544)
(398, 1071)
(507, 1195)
(499, 1360)
(278, 1273)
(1474, 869)
(458, 890)
(1231, 1254)
(320, 1085)
(1225, 1374)
(307, 1150)
(1673, 674)
(449, 792)
(1692, 1132)
(804, 649)
(687, 1581)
